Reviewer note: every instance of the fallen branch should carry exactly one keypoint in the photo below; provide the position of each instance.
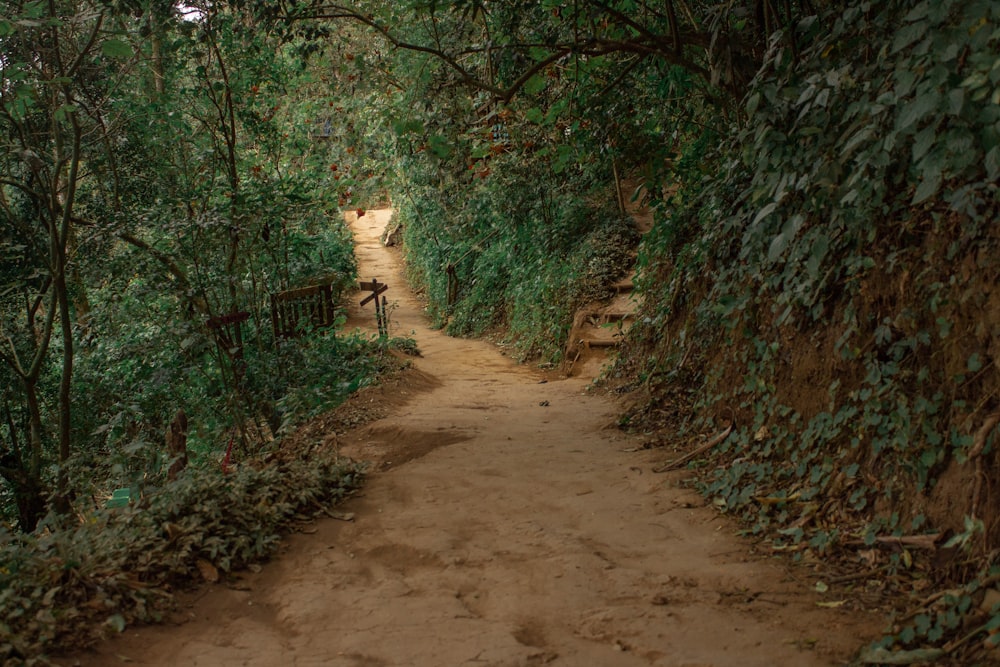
(339, 516)
(916, 541)
(979, 440)
(848, 578)
(975, 454)
(678, 462)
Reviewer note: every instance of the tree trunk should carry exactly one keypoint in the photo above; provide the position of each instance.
(29, 495)
(176, 438)
(23, 477)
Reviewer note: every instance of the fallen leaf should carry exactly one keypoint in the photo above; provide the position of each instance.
(832, 605)
(208, 571)
(116, 623)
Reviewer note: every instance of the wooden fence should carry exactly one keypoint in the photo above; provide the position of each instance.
(296, 311)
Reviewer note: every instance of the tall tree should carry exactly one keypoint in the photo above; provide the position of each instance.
(55, 88)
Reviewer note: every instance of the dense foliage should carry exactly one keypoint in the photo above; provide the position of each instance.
(821, 274)
(831, 288)
(158, 187)
(119, 566)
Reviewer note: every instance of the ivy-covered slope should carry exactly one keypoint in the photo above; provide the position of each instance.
(832, 287)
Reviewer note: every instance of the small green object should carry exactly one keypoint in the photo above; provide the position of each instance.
(119, 498)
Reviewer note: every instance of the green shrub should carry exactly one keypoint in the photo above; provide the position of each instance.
(120, 566)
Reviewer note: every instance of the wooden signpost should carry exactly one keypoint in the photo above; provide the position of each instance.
(376, 288)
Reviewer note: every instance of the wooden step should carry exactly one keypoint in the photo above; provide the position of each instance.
(623, 286)
(588, 343)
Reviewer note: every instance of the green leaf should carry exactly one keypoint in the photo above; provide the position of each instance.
(34, 10)
(116, 48)
(403, 127)
(974, 363)
(764, 212)
(535, 85)
(778, 245)
(917, 110)
(928, 187)
(918, 12)
(956, 100)
(6, 28)
(923, 142)
(908, 35)
(63, 112)
(535, 115)
(439, 146)
(564, 154)
(817, 253)
(992, 163)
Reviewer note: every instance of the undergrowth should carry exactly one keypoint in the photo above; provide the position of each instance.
(521, 264)
(831, 291)
(120, 566)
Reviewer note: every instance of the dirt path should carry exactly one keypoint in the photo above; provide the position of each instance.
(516, 533)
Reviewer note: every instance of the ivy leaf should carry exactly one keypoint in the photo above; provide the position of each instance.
(535, 115)
(928, 187)
(908, 35)
(992, 163)
(917, 110)
(923, 142)
(956, 100)
(764, 212)
(974, 363)
(778, 245)
(820, 246)
(116, 48)
(535, 85)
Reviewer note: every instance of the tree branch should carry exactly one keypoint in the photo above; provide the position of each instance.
(163, 258)
(647, 43)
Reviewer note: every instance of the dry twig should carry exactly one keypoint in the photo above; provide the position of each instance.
(678, 462)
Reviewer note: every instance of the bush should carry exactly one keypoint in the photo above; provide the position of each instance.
(120, 566)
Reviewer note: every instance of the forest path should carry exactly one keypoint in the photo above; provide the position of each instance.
(518, 532)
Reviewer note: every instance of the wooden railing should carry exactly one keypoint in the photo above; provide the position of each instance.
(297, 311)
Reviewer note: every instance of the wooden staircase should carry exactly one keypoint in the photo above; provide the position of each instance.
(599, 328)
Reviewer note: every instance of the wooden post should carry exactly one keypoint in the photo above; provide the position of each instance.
(619, 195)
(383, 323)
(377, 289)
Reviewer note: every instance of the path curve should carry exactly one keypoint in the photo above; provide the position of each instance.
(512, 529)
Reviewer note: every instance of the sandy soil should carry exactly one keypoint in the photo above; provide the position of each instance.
(506, 525)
